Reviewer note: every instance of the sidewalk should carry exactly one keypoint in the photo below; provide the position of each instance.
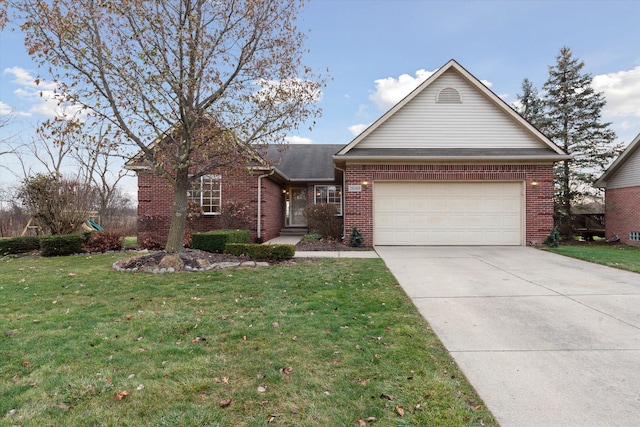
(292, 240)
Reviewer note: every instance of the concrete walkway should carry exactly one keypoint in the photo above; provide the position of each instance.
(292, 240)
(546, 340)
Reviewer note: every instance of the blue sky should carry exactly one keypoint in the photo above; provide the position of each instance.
(378, 50)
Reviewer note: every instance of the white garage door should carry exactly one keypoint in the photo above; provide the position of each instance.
(448, 213)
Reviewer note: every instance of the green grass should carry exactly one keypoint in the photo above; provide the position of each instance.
(321, 343)
(622, 257)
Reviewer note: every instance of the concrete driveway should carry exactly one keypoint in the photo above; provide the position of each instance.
(546, 340)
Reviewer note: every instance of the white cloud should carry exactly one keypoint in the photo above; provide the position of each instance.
(43, 95)
(358, 129)
(487, 83)
(23, 78)
(298, 140)
(622, 92)
(390, 91)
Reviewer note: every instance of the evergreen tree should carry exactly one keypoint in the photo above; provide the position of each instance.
(531, 105)
(574, 122)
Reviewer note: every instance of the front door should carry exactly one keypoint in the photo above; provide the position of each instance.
(297, 204)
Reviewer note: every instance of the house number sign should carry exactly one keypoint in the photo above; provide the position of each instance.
(355, 188)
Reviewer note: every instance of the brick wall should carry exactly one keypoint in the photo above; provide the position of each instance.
(622, 213)
(155, 199)
(539, 198)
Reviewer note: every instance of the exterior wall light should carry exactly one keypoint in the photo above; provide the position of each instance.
(534, 183)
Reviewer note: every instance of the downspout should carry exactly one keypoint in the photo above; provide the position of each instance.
(259, 231)
(344, 197)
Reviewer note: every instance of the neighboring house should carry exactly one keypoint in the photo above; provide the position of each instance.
(451, 164)
(621, 183)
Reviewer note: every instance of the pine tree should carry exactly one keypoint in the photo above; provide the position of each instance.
(574, 122)
(531, 105)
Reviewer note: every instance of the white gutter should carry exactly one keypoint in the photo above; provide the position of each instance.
(259, 231)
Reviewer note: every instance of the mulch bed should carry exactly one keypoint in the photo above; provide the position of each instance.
(327, 246)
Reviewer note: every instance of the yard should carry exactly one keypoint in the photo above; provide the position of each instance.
(618, 256)
(327, 342)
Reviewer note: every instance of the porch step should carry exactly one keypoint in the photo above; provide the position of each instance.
(294, 231)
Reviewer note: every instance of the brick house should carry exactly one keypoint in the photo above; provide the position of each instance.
(621, 183)
(450, 164)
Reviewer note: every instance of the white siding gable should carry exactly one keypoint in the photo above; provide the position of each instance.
(628, 175)
(476, 122)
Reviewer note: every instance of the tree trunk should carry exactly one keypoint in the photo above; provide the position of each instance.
(175, 241)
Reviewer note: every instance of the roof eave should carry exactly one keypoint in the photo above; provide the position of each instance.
(452, 159)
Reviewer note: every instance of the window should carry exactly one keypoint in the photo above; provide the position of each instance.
(207, 193)
(329, 194)
(634, 235)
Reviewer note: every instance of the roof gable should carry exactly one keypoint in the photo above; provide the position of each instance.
(304, 162)
(451, 110)
(625, 170)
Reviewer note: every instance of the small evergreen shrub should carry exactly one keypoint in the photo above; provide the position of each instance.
(19, 245)
(215, 241)
(65, 244)
(553, 239)
(323, 219)
(256, 251)
(103, 241)
(355, 240)
(311, 238)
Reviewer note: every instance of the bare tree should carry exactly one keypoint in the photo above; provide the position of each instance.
(194, 84)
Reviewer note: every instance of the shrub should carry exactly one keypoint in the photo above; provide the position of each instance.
(19, 245)
(215, 241)
(256, 251)
(66, 244)
(151, 241)
(553, 239)
(355, 240)
(323, 219)
(311, 238)
(103, 241)
(235, 216)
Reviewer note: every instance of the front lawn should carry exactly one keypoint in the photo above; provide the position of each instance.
(333, 342)
(622, 257)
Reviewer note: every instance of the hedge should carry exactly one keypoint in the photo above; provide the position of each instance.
(256, 251)
(61, 244)
(18, 245)
(215, 241)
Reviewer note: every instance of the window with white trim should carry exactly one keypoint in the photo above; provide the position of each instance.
(207, 193)
(634, 235)
(331, 194)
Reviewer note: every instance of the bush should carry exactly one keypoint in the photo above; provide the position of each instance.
(103, 241)
(553, 239)
(61, 244)
(19, 245)
(215, 241)
(151, 241)
(311, 238)
(323, 219)
(355, 240)
(236, 216)
(256, 251)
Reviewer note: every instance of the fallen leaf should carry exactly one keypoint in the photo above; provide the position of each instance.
(219, 380)
(26, 363)
(275, 324)
(16, 378)
(129, 316)
(371, 419)
(270, 418)
(386, 396)
(72, 274)
(361, 422)
(400, 410)
(261, 389)
(286, 371)
(225, 402)
(62, 406)
(140, 387)
(122, 395)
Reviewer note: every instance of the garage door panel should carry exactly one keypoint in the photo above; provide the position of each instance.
(452, 213)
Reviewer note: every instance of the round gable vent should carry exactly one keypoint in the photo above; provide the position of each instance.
(449, 95)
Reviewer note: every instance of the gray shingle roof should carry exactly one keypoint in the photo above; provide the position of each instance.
(305, 162)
